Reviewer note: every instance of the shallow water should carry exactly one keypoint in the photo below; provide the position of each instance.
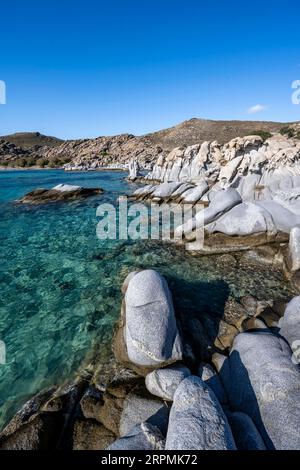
(60, 285)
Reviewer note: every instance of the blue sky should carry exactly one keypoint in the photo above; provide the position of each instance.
(88, 68)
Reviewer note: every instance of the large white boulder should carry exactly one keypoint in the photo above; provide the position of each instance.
(197, 421)
(244, 219)
(222, 202)
(262, 381)
(151, 333)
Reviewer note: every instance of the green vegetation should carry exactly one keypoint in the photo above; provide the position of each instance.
(263, 134)
(290, 132)
(28, 162)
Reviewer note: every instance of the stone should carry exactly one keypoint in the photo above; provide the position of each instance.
(165, 190)
(140, 406)
(254, 324)
(262, 381)
(164, 382)
(208, 374)
(151, 333)
(91, 403)
(242, 220)
(142, 437)
(59, 193)
(223, 201)
(90, 435)
(40, 432)
(294, 249)
(284, 220)
(245, 433)
(290, 326)
(194, 195)
(133, 169)
(197, 421)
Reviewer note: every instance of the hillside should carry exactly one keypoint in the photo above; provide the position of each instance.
(31, 139)
(34, 149)
(196, 131)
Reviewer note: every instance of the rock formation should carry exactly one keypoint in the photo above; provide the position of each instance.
(59, 193)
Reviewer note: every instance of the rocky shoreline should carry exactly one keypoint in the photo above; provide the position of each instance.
(162, 392)
(225, 382)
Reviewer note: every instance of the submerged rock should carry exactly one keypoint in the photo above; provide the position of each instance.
(61, 192)
(197, 421)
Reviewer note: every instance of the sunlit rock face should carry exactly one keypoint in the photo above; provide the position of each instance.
(263, 175)
(258, 170)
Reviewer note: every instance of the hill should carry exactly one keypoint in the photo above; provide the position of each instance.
(196, 131)
(31, 139)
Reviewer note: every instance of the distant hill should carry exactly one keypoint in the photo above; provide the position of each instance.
(196, 131)
(31, 139)
(25, 149)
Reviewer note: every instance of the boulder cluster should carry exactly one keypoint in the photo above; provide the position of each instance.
(246, 192)
(246, 400)
(160, 394)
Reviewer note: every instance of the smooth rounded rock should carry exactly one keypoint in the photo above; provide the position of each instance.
(197, 421)
(262, 381)
(151, 333)
(164, 382)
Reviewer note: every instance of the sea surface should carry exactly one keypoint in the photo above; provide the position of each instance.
(60, 285)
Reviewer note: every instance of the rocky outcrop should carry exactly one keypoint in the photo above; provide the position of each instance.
(59, 193)
(245, 194)
(102, 152)
(242, 401)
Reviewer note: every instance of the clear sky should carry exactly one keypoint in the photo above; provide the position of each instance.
(87, 68)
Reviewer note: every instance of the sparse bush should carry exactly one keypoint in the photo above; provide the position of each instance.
(263, 134)
(288, 131)
(42, 162)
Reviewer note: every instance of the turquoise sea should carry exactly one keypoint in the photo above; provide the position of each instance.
(60, 285)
